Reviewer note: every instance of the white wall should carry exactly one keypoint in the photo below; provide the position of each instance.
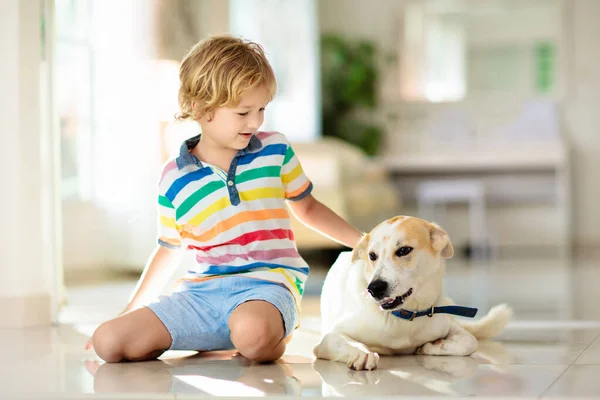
(361, 19)
(582, 119)
(26, 280)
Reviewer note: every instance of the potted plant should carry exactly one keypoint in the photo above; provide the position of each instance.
(348, 84)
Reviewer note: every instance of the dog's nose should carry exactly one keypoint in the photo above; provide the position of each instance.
(377, 289)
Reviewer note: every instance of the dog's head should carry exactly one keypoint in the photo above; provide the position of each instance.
(401, 254)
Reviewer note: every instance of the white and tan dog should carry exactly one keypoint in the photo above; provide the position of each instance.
(386, 298)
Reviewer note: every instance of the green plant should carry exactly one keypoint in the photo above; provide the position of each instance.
(348, 83)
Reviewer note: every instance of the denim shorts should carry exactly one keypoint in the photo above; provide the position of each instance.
(197, 313)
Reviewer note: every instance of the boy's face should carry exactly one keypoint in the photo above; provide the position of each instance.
(232, 127)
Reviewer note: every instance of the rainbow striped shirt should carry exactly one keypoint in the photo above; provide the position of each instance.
(236, 222)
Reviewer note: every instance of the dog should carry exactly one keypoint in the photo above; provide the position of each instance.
(386, 298)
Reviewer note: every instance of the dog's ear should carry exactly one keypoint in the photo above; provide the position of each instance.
(361, 248)
(440, 241)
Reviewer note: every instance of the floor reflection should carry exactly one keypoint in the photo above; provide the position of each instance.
(413, 375)
(214, 373)
(229, 374)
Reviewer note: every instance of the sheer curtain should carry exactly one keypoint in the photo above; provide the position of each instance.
(114, 224)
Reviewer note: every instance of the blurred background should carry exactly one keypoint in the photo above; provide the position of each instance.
(479, 115)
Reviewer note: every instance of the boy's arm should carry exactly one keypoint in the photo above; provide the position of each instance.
(322, 219)
(157, 271)
(166, 255)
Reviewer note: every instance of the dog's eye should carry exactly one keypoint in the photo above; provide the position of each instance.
(402, 251)
(372, 256)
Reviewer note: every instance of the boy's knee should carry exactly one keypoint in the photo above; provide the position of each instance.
(260, 350)
(107, 344)
(259, 342)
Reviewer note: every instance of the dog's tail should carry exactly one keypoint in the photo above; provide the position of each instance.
(491, 325)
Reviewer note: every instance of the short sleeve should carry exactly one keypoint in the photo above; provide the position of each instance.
(168, 231)
(296, 184)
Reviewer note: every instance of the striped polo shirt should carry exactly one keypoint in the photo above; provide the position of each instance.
(237, 221)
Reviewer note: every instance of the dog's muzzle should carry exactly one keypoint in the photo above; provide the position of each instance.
(391, 304)
(378, 290)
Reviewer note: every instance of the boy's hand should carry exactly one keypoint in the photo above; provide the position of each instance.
(89, 345)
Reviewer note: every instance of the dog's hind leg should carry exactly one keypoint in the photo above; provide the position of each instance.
(459, 342)
(341, 348)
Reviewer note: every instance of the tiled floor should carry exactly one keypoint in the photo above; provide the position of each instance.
(551, 349)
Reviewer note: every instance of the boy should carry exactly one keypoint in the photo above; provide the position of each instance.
(224, 198)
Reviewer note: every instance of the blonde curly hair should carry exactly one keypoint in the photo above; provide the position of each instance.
(217, 71)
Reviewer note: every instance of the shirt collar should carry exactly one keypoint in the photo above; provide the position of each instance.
(187, 158)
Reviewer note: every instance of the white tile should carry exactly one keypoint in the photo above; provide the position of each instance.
(578, 381)
(591, 355)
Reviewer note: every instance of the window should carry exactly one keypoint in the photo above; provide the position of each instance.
(432, 54)
(73, 71)
(288, 31)
(452, 50)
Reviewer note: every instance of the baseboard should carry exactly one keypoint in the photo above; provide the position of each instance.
(25, 311)
(587, 250)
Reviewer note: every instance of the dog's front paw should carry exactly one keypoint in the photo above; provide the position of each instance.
(319, 350)
(361, 359)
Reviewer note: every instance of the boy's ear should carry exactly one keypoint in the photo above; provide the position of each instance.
(207, 114)
(361, 248)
